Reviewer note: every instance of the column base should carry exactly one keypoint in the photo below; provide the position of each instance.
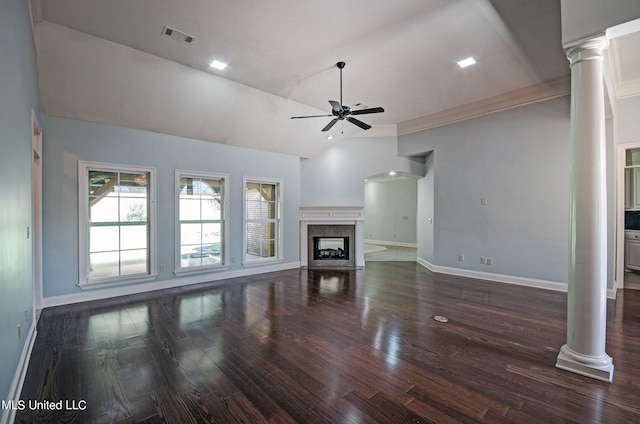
(598, 367)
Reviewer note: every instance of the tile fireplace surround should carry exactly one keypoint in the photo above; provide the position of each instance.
(334, 221)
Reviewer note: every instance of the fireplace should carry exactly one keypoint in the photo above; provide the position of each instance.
(331, 237)
(329, 248)
(330, 245)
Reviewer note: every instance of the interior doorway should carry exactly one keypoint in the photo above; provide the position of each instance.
(628, 216)
(390, 213)
(36, 213)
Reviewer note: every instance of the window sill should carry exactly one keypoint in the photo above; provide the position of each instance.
(112, 282)
(261, 262)
(199, 270)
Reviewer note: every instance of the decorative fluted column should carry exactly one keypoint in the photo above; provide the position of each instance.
(584, 353)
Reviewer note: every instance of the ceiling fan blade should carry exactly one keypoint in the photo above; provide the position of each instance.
(337, 107)
(358, 123)
(369, 110)
(330, 124)
(311, 116)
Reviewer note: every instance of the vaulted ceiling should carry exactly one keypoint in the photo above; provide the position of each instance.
(109, 62)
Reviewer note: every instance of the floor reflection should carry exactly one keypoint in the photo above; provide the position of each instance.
(330, 282)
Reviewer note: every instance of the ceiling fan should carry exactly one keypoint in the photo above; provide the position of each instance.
(342, 112)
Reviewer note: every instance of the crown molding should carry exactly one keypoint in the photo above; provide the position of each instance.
(516, 98)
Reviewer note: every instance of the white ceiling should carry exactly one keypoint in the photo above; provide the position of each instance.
(624, 53)
(400, 55)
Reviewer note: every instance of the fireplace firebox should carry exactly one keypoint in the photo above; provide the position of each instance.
(331, 248)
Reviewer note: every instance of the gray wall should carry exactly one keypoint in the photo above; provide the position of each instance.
(627, 125)
(390, 208)
(18, 95)
(336, 176)
(519, 160)
(68, 141)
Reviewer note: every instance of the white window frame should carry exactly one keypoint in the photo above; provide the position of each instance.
(279, 202)
(85, 281)
(179, 270)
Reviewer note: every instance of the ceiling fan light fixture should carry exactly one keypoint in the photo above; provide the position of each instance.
(218, 65)
(466, 62)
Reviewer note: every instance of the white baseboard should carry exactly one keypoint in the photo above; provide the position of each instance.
(391, 243)
(98, 294)
(9, 414)
(500, 278)
(425, 264)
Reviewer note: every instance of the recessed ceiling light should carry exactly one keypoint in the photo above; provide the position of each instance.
(218, 65)
(330, 137)
(392, 173)
(466, 62)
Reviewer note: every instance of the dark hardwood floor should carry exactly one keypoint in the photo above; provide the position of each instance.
(328, 346)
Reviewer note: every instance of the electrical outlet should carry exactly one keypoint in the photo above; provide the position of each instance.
(19, 332)
(26, 315)
(484, 201)
(461, 258)
(489, 261)
(163, 268)
(483, 260)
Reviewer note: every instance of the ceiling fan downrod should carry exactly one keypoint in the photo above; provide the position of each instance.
(340, 65)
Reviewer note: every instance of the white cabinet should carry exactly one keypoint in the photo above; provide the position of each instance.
(632, 250)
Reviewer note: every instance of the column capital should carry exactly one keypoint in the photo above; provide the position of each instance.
(587, 49)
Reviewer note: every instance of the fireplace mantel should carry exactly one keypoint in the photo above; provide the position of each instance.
(332, 215)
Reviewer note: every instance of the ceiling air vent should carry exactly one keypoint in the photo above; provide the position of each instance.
(177, 35)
